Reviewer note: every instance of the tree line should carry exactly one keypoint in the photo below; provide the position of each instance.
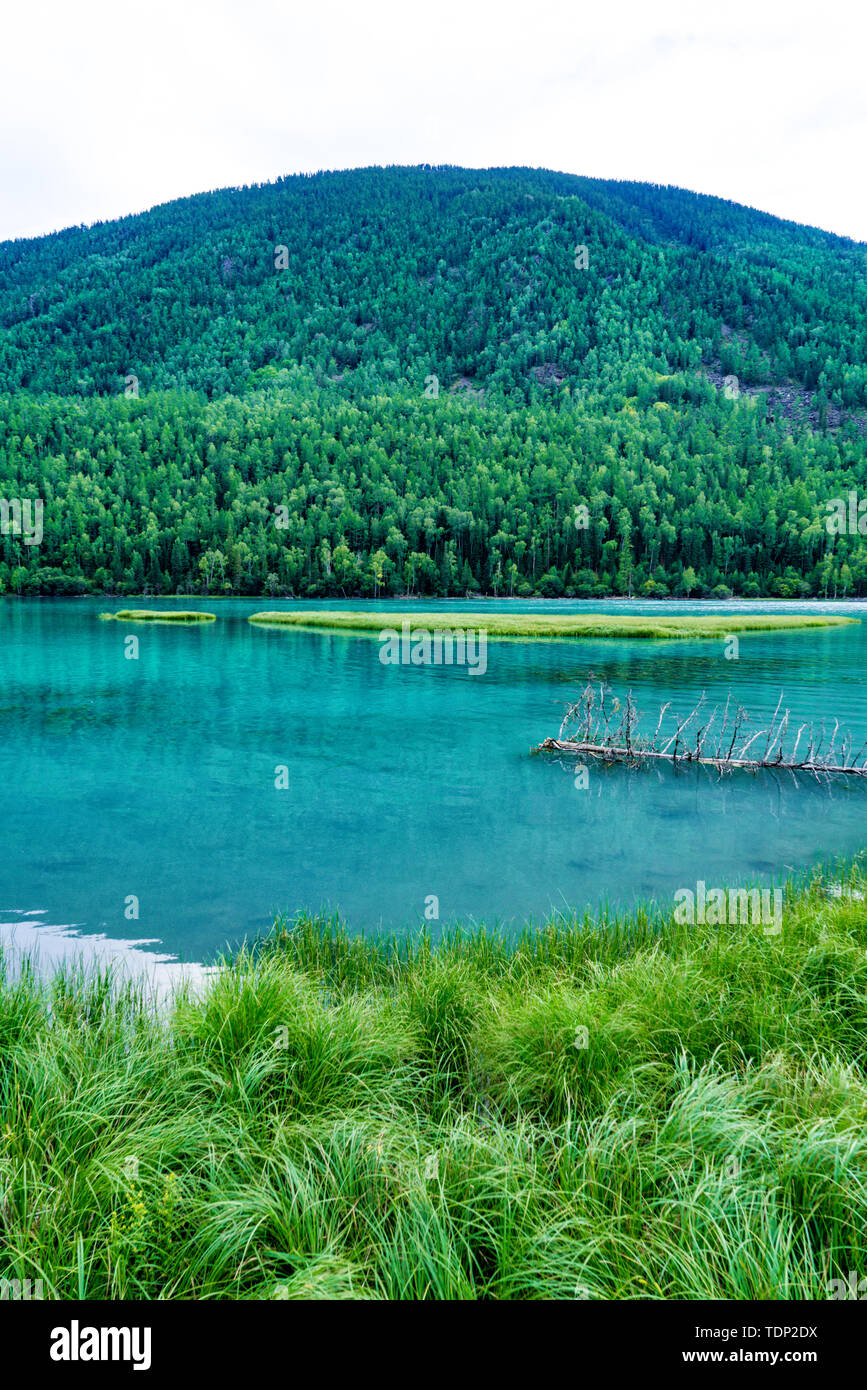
(665, 488)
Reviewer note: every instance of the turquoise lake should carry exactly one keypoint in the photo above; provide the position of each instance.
(156, 777)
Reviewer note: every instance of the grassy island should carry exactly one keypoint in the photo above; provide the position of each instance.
(153, 615)
(499, 624)
(617, 1108)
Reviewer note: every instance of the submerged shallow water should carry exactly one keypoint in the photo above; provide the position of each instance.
(154, 778)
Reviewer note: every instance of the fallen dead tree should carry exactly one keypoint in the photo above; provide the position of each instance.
(598, 725)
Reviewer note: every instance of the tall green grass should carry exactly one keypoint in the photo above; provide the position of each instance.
(342, 1118)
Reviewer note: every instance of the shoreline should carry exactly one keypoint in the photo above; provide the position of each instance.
(48, 950)
(628, 1106)
(436, 598)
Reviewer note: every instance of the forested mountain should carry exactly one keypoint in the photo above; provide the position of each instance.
(394, 380)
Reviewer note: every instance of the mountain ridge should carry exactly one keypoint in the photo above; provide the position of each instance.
(427, 375)
(213, 256)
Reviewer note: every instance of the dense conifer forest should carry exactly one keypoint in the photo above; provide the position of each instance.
(435, 381)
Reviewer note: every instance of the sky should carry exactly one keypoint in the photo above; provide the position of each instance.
(107, 108)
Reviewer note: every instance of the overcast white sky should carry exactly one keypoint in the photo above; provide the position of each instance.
(111, 106)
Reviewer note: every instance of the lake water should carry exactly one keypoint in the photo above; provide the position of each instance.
(155, 778)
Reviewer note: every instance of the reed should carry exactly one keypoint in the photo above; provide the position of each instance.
(614, 1107)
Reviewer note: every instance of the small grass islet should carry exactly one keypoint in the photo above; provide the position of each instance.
(154, 615)
(533, 625)
(618, 1108)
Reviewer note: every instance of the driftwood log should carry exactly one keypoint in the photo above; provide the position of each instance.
(598, 725)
